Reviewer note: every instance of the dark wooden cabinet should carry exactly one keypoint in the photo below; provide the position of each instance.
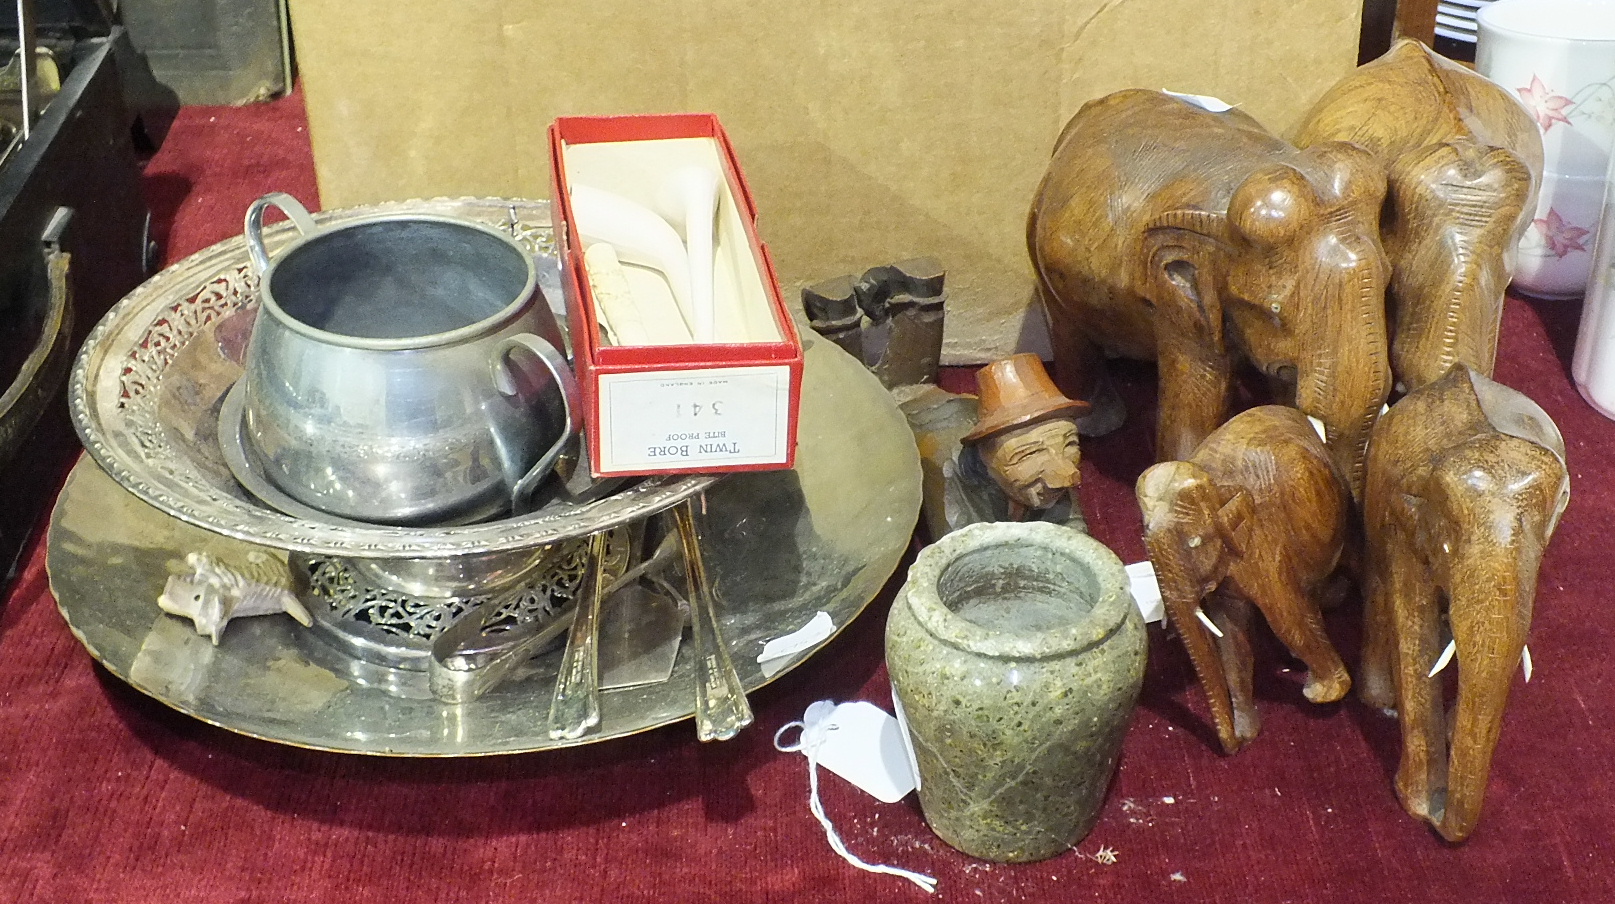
(73, 240)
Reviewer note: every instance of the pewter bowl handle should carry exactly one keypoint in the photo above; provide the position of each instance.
(562, 372)
(253, 225)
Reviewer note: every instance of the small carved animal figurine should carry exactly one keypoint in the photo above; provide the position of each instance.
(1465, 161)
(1257, 515)
(1164, 231)
(1466, 483)
(211, 594)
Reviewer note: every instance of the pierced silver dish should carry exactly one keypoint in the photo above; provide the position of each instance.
(146, 396)
(147, 389)
(784, 546)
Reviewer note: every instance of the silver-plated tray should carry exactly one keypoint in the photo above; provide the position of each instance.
(146, 391)
(781, 546)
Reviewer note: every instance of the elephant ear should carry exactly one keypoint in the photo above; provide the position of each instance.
(1234, 519)
(1183, 255)
(1416, 516)
(1514, 413)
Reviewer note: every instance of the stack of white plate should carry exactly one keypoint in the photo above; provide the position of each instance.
(1455, 20)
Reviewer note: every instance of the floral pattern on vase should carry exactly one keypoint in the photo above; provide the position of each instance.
(1559, 236)
(1557, 57)
(1555, 255)
(1594, 102)
(1545, 106)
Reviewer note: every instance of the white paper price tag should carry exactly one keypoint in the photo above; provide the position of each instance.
(1146, 591)
(782, 651)
(1203, 101)
(680, 420)
(818, 629)
(864, 745)
(906, 738)
(861, 743)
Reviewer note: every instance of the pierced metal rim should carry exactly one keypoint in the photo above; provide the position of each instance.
(226, 511)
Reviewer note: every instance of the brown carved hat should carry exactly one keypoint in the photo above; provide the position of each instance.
(1017, 392)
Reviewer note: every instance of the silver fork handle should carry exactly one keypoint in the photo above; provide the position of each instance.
(721, 708)
(575, 708)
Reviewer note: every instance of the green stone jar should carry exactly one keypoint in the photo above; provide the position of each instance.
(1016, 653)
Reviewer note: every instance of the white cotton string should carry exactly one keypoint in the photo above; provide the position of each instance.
(807, 744)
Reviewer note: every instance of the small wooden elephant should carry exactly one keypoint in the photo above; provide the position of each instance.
(1165, 231)
(1466, 483)
(1465, 161)
(1258, 514)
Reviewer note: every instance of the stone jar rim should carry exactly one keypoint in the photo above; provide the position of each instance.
(1108, 612)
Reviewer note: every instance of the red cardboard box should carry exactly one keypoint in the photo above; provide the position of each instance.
(669, 383)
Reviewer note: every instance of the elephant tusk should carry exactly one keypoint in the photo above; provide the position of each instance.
(1206, 620)
(1525, 660)
(1446, 657)
(1318, 426)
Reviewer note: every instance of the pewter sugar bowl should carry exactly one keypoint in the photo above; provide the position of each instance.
(404, 369)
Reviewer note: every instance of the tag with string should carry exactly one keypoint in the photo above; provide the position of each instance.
(863, 744)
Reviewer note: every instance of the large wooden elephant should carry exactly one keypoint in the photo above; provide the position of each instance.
(1257, 515)
(1198, 239)
(1466, 483)
(1465, 162)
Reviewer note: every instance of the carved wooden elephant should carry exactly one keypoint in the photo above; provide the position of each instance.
(1259, 513)
(1164, 231)
(1466, 483)
(1465, 163)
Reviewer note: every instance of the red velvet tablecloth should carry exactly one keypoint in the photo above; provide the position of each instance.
(108, 796)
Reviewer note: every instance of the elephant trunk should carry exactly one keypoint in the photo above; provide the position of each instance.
(1490, 614)
(1460, 212)
(1181, 596)
(1452, 319)
(1345, 381)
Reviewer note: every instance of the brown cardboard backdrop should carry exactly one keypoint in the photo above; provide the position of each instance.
(870, 131)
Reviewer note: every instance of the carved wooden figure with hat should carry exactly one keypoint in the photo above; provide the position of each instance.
(1026, 436)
